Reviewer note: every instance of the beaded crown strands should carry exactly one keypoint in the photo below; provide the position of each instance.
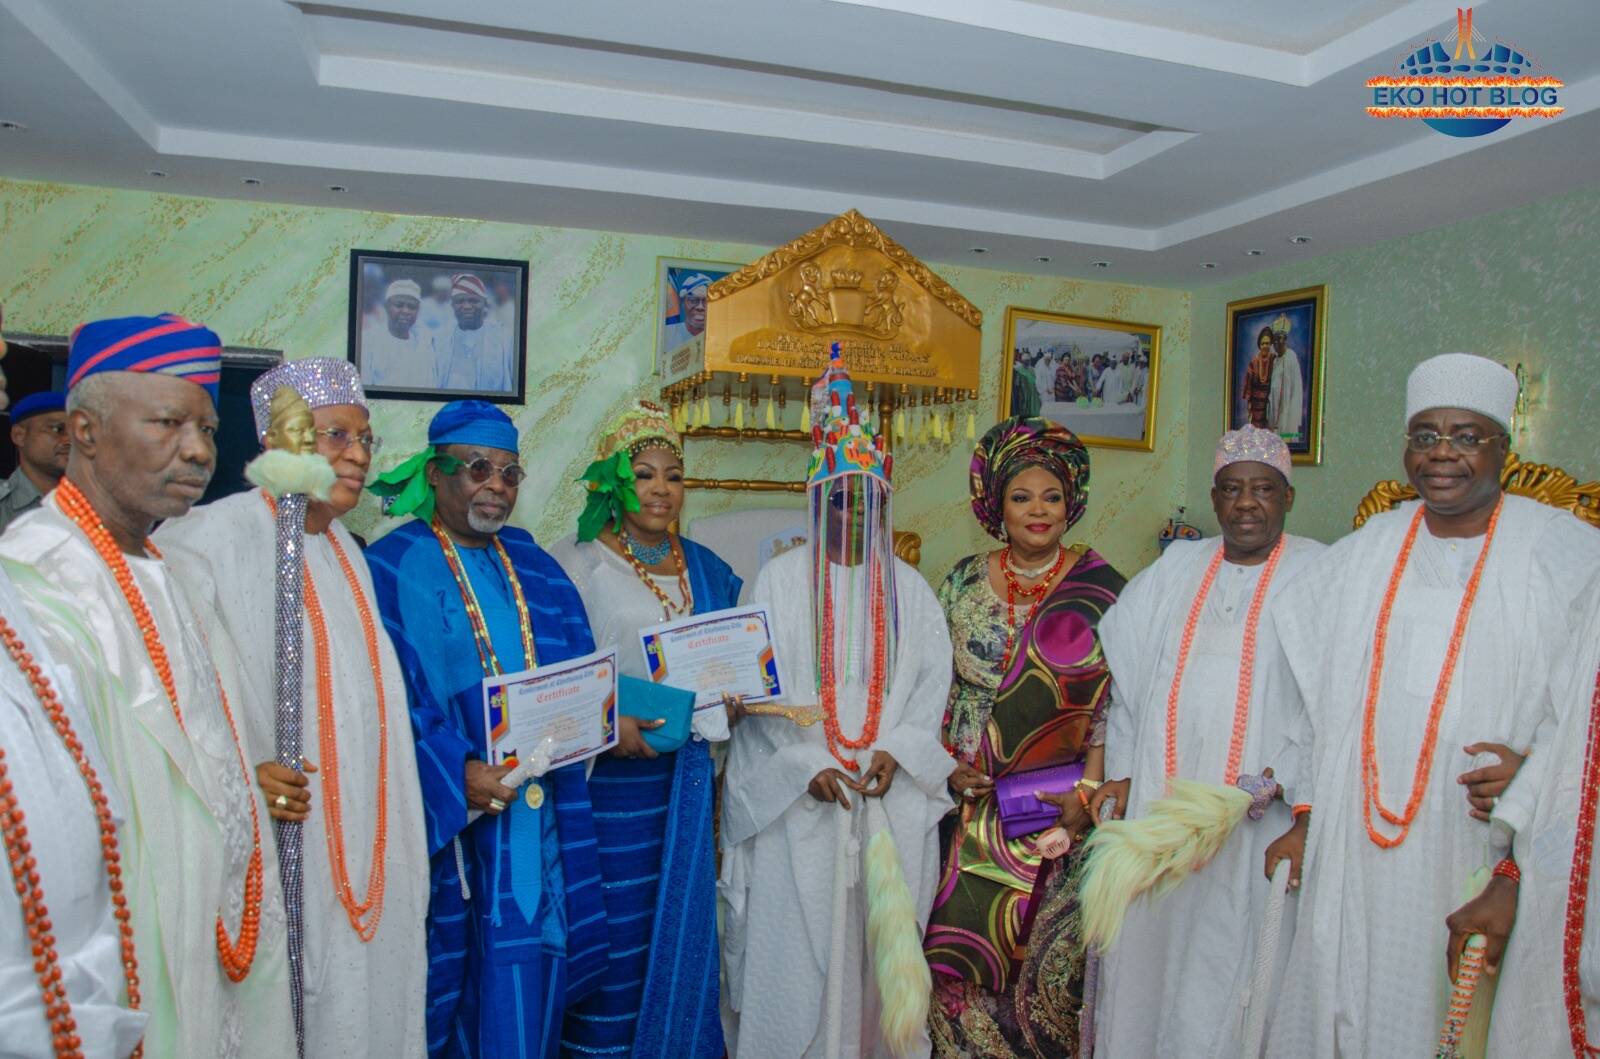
(469, 599)
(1247, 664)
(19, 853)
(236, 957)
(1578, 886)
(1371, 787)
(363, 915)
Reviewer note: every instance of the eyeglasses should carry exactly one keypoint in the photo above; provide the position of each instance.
(340, 439)
(1465, 442)
(481, 470)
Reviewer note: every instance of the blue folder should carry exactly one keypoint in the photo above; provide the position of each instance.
(648, 701)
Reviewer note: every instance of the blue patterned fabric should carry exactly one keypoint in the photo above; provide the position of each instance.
(658, 860)
(497, 980)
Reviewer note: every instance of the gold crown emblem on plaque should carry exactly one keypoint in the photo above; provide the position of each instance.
(842, 300)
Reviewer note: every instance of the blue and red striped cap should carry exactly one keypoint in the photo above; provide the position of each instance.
(167, 344)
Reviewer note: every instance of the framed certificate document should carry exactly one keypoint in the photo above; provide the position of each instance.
(724, 651)
(571, 703)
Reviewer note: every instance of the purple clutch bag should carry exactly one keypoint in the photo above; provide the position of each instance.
(1023, 814)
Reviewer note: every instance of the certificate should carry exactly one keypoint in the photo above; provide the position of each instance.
(724, 651)
(573, 704)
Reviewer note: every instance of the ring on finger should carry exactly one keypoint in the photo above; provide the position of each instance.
(497, 805)
(280, 802)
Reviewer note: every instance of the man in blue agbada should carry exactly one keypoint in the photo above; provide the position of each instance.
(516, 923)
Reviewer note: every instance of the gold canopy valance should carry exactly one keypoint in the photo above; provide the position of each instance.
(911, 341)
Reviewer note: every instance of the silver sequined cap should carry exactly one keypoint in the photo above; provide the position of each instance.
(320, 381)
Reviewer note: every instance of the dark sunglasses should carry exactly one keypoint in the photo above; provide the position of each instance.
(481, 470)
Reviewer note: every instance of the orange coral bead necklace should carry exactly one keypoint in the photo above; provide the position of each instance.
(1247, 663)
(236, 956)
(363, 915)
(829, 693)
(1371, 787)
(22, 863)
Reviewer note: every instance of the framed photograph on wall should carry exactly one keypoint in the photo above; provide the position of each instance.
(1096, 377)
(1275, 367)
(681, 300)
(433, 327)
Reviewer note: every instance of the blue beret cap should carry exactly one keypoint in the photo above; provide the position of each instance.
(37, 404)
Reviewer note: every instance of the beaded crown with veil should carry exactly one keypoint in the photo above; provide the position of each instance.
(851, 522)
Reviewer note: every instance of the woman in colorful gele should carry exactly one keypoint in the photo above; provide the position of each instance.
(652, 798)
(1029, 693)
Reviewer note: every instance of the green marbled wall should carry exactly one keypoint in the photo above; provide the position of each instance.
(1520, 285)
(276, 276)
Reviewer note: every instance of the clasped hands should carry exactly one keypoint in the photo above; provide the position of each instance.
(830, 784)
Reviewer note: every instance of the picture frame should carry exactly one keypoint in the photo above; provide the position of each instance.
(438, 327)
(1274, 367)
(672, 273)
(1063, 367)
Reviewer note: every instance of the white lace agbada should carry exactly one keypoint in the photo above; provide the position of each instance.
(360, 997)
(781, 847)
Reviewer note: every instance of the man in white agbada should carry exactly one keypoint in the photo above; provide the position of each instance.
(1286, 397)
(64, 839)
(197, 858)
(396, 351)
(476, 355)
(1176, 982)
(811, 782)
(365, 967)
(1396, 840)
(1544, 806)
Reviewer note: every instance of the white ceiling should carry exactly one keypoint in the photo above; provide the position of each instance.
(1144, 133)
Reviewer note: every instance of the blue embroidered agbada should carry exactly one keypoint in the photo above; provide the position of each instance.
(653, 819)
(526, 935)
(516, 923)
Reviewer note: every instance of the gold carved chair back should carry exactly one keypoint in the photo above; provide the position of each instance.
(1537, 481)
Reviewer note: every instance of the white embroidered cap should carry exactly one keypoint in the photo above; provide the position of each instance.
(1462, 380)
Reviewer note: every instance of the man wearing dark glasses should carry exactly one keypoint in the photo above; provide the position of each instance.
(1423, 645)
(516, 926)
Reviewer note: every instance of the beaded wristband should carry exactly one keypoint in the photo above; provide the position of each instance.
(1508, 869)
(1298, 811)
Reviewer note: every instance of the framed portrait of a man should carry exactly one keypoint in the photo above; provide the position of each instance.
(1096, 377)
(681, 286)
(434, 327)
(1275, 366)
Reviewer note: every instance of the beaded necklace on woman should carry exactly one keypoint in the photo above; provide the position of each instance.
(236, 956)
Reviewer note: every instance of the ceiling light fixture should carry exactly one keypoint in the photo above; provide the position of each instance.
(337, 187)
(250, 181)
(1102, 264)
(158, 174)
(1043, 260)
(1208, 264)
(1299, 240)
(1254, 253)
(978, 250)
(13, 126)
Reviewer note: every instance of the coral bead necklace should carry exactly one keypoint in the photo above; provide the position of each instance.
(1371, 787)
(829, 692)
(1033, 594)
(1578, 885)
(235, 956)
(363, 915)
(668, 608)
(1247, 663)
(469, 600)
(63, 1027)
